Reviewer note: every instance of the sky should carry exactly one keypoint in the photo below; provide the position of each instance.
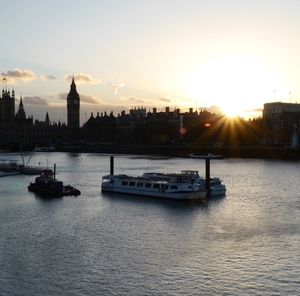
(231, 56)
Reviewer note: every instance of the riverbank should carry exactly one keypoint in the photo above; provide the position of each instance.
(187, 150)
(178, 150)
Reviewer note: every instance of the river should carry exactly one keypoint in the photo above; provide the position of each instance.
(246, 243)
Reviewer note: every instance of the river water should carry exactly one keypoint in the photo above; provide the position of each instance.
(246, 243)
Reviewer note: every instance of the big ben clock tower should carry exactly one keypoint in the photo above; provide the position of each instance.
(73, 106)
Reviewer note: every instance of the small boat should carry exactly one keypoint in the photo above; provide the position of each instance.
(170, 186)
(50, 148)
(209, 155)
(46, 185)
(30, 170)
(216, 187)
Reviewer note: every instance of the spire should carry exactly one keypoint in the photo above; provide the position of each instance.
(21, 103)
(47, 120)
(21, 115)
(73, 82)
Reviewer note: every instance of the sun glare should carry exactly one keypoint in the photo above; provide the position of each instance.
(236, 85)
(232, 111)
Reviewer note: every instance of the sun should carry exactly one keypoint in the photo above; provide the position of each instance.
(236, 85)
(232, 111)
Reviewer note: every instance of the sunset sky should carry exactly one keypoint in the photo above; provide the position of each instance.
(131, 53)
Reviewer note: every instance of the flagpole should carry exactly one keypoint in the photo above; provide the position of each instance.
(4, 83)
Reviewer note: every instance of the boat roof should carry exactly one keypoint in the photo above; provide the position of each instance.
(150, 177)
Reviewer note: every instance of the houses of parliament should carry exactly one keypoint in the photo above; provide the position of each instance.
(16, 128)
(146, 127)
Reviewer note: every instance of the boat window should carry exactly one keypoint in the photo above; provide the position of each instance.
(174, 187)
(155, 185)
(131, 183)
(148, 185)
(139, 184)
(124, 183)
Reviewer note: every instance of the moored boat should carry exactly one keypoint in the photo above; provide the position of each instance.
(8, 165)
(170, 186)
(50, 148)
(209, 155)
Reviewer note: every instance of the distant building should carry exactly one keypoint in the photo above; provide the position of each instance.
(73, 106)
(280, 123)
(275, 109)
(142, 127)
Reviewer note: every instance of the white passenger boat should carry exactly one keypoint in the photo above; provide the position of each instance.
(171, 186)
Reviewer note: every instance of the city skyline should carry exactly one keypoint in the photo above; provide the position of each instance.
(235, 55)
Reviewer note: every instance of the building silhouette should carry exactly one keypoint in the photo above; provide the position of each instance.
(7, 108)
(73, 107)
(140, 126)
(280, 120)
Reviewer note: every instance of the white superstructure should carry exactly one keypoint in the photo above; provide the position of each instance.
(173, 186)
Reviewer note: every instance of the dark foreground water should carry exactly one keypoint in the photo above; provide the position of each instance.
(247, 243)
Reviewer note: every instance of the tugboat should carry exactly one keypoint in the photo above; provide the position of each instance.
(46, 185)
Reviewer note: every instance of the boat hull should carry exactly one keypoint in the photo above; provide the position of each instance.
(217, 191)
(196, 195)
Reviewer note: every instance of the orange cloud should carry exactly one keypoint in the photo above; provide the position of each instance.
(18, 74)
(83, 79)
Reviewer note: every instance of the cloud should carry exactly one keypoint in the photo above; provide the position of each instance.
(256, 110)
(35, 101)
(168, 100)
(132, 100)
(48, 77)
(89, 99)
(18, 74)
(212, 109)
(116, 87)
(84, 99)
(83, 79)
(62, 96)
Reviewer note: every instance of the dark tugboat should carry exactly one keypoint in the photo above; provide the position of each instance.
(46, 185)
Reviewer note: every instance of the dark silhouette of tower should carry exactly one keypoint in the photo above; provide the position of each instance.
(73, 105)
(21, 115)
(7, 107)
(47, 120)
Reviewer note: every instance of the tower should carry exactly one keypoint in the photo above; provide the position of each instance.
(7, 107)
(73, 106)
(21, 115)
